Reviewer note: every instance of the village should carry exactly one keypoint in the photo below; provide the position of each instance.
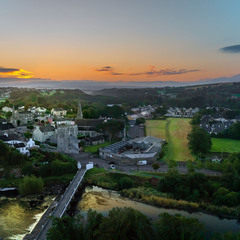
(37, 127)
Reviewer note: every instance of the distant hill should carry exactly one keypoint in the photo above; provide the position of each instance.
(91, 85)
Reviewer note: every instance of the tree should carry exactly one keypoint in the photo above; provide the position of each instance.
(113, 112)
(170, 182)
(126, 182)
(27, 135)
(126, 223)
(155, 166)
(94, 220)
(121, 223)
(66, 228)
(233, 131)
(8, 115)
(112, 127)
(31, 185)
(3, 148)
(199, 141)
(178, 227)
(140, 121)
(224, 197)
(161, 111)
(18, 122)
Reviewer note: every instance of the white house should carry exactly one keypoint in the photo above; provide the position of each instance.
(7, 109)
(42, 133)
(58, 112)
(20, 147)
(14, 142)
(41, 110)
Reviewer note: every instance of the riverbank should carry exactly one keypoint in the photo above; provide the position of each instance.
(103, 201)
(139, 194)
(20, 216)
(143, 189)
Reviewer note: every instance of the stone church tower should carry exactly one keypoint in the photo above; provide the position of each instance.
(79, 112)
(13, 118)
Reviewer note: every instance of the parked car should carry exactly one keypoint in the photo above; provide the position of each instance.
(143, 162)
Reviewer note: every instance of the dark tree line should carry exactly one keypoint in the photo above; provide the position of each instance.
(124, 224)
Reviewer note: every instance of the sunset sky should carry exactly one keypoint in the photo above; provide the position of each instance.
(125, 40)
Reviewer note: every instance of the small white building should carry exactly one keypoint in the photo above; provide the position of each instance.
(21, 148)
(58, 112)
(7, 109)
(30, 144)
(41, 110)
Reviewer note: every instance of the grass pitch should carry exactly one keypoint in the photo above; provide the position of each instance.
(175, 131)
(225, 145)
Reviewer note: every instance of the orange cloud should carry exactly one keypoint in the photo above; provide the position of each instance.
(14, 72)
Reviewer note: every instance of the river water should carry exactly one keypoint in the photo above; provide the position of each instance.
(17, 218)
(103, 200)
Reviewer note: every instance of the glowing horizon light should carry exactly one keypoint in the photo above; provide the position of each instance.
(20, 73)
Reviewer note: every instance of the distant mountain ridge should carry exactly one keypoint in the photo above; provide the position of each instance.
(92, 85)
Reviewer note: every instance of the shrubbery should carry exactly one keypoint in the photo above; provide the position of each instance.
(10, 156)
(31, 185)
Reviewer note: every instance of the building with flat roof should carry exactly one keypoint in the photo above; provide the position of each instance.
(132, 151)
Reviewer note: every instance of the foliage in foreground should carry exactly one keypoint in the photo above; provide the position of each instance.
(125, 223)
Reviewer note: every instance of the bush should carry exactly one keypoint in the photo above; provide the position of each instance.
(126, 182)
(31, 185)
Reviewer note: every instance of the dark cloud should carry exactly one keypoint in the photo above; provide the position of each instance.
(151, 72)
(105, 69)
(116, 73)
(8, 70)
(231, 49)
(170, 72)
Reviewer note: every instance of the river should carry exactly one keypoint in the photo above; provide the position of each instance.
(17, 218)
(103, 200)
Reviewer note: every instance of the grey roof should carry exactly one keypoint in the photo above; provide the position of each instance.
(9, 137)
(6, 126)
(59, 109)
(88, 122)
(19, 145)
(47, 128)
(116, 146)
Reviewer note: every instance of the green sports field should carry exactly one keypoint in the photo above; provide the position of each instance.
(225, 145)
(175, 131)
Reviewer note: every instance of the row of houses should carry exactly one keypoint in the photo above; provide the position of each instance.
(140, 112)
(216, 125)
(181, 112)
(36, 110)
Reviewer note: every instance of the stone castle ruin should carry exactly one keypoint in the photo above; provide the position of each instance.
(67, 141)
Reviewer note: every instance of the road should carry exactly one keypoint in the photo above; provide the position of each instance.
(182, 169)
